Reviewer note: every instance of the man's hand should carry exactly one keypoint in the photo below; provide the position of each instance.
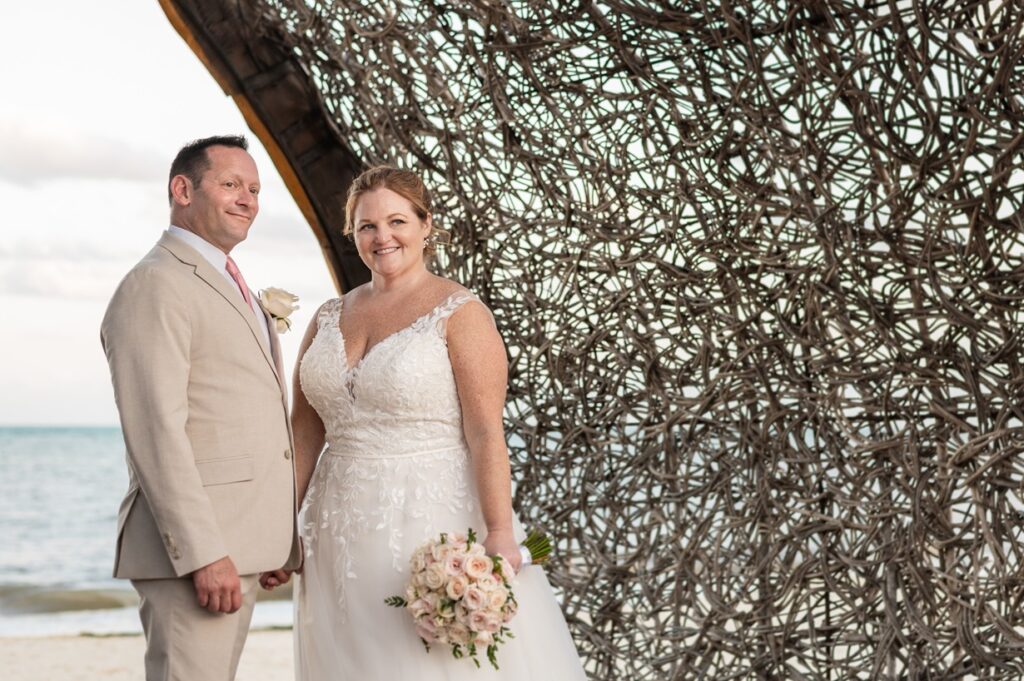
(275, 578)
(218, 588)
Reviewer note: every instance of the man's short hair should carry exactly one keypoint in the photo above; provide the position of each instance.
(192, 160)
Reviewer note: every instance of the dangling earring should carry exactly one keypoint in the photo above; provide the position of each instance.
(438, 237)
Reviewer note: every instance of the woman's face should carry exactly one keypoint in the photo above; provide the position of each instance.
(389, 236)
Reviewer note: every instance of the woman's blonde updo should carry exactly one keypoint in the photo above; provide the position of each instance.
(405, 183)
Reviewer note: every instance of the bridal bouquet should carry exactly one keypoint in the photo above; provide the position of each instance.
(461, 597)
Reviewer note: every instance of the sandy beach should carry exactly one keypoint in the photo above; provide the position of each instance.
(268, 656)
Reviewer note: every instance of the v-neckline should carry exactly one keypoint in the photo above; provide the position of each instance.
(344, 350)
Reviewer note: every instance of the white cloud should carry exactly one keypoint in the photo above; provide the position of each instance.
(34, 152)
(60, 279)
(80, 250)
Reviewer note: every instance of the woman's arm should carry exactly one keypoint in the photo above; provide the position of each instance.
(307, 428)
(481, 372)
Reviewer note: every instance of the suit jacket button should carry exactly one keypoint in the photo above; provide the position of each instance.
(287, 453)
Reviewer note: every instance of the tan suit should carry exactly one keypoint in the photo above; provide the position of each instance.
(204, 412)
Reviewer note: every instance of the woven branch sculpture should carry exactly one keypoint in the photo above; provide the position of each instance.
(760, 270)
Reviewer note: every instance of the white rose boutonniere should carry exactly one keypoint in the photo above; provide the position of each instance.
(279, 304)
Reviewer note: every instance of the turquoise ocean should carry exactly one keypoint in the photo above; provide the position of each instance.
(60, 489)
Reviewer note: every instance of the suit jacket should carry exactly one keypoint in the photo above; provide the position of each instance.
(204, 412)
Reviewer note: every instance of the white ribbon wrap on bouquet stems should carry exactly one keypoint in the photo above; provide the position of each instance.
(526, 556)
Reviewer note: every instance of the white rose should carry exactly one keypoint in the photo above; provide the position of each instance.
(279, 302)
(435, 576)
(440, 552)
(496, 599)
(488, 583)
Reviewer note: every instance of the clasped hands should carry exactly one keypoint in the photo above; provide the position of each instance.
(219, 588)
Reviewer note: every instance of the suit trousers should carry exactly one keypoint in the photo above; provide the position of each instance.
(185, 642)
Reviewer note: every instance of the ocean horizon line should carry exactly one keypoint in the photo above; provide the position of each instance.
(60, 426)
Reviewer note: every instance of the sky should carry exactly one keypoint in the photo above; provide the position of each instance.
(97, 99)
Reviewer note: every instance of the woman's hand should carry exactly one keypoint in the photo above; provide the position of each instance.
(502, 542)
(274, 578)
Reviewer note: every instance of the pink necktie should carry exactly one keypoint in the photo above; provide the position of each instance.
(232, 269)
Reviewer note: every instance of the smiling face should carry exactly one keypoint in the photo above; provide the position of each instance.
(222, 207)
(388, 233)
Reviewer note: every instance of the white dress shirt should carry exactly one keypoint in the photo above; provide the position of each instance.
(219, 260)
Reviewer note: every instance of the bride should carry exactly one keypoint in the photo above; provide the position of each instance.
(404, 379)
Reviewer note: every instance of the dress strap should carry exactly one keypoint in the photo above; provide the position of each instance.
(439, 317)
(452, 303)
(329, 314)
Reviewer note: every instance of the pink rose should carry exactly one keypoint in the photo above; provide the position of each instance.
(474, 598)
(510, 611)
(478, 566)
(426, 630)
(457, 587)
(507, 571)
(483, 638)
(481, 620)
(459, 633)
(455, 563)
(419, 608)
(476, 549)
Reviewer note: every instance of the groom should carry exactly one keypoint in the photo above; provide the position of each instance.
(200, 389)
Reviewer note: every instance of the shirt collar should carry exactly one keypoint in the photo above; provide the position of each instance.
(213, 255)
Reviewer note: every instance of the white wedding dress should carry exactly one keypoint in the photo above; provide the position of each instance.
(395, 473)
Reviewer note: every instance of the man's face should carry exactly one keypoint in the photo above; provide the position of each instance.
(224, 204)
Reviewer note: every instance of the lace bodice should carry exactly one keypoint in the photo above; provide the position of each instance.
(399, 399)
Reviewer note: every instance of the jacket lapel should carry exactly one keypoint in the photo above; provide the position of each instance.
(275, 345)
(205, 271)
